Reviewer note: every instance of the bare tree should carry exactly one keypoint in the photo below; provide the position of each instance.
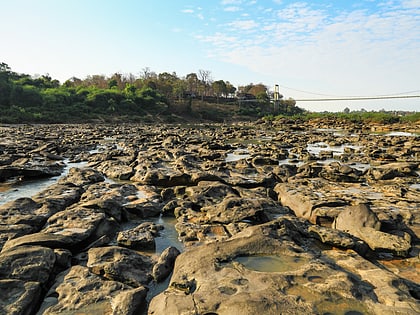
(205, 78)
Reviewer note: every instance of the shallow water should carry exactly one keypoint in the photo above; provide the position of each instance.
(12, 190)
(316, 148)
(237, 155)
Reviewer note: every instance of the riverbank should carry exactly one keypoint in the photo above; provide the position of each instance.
(274, 216)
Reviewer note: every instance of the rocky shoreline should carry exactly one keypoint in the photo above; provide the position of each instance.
(274, 218)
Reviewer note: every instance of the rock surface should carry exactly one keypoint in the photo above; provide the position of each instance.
(279, 218)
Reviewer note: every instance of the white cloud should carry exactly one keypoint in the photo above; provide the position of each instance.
(355, 52)
(187, 11)
(231, 2)
(244, 25)
(411, 3)
(232, 9)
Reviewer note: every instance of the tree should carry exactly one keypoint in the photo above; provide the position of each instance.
(5, 84)
(116, 80)
(346, 110)
(166, 83)
(192, 83)
(205, 81)
(73, 82)
(260, 91)
(219, 88)
(230, 89)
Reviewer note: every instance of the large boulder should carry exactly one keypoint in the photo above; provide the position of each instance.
(78, 291)
(74, 228)
(28, 263)
(82, 176)
(142, 237)
(165, 263)
(362, 222)
(120, 264)
(392, 170)
(19, 297)
(306, 203)
(261, 270)
(354, 217)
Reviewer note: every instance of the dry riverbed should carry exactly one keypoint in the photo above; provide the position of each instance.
(246, 218)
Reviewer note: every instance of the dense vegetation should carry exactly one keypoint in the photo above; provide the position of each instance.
(148, 97)
(25, 98)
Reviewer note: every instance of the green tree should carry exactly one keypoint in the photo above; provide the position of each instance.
(193, 83)
(5, 84)
(219, 88)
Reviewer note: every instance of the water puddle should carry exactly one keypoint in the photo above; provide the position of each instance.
(415, 186)
(168, 236)
(269, 263)
(401, 134)
(316, 148)
(12, 190)
(237, 155)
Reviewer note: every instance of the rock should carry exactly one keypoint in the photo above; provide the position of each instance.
(30, 170)
(139, 238)
(305, 202)
(236, 209)
(392, 295)
(57, 197)
(120, 264)
(165, 263)
(341, 173)
(105, 197)
(10, 231)
(355, 217)
(236, 288)
(144, 203)
(337, 238)
(22, 211)
(73, 228)
(384, 242)
(392, 170)
(116, 169)
(363, 223)
(80, 224)
(250, 245)
(19, 297)
(28, 263)
(78, 291)
(82, 177)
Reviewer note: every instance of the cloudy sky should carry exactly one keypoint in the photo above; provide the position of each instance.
(314, 49)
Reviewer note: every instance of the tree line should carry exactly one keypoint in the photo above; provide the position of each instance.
(26, 98)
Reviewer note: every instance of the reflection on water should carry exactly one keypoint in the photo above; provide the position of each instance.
(316, 148)
(400, 133)
(168, 236)
(237, 155)
(12, 190)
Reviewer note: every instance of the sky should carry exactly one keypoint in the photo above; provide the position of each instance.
(311, 49)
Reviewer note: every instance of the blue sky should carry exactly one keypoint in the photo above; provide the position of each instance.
(327, 48)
